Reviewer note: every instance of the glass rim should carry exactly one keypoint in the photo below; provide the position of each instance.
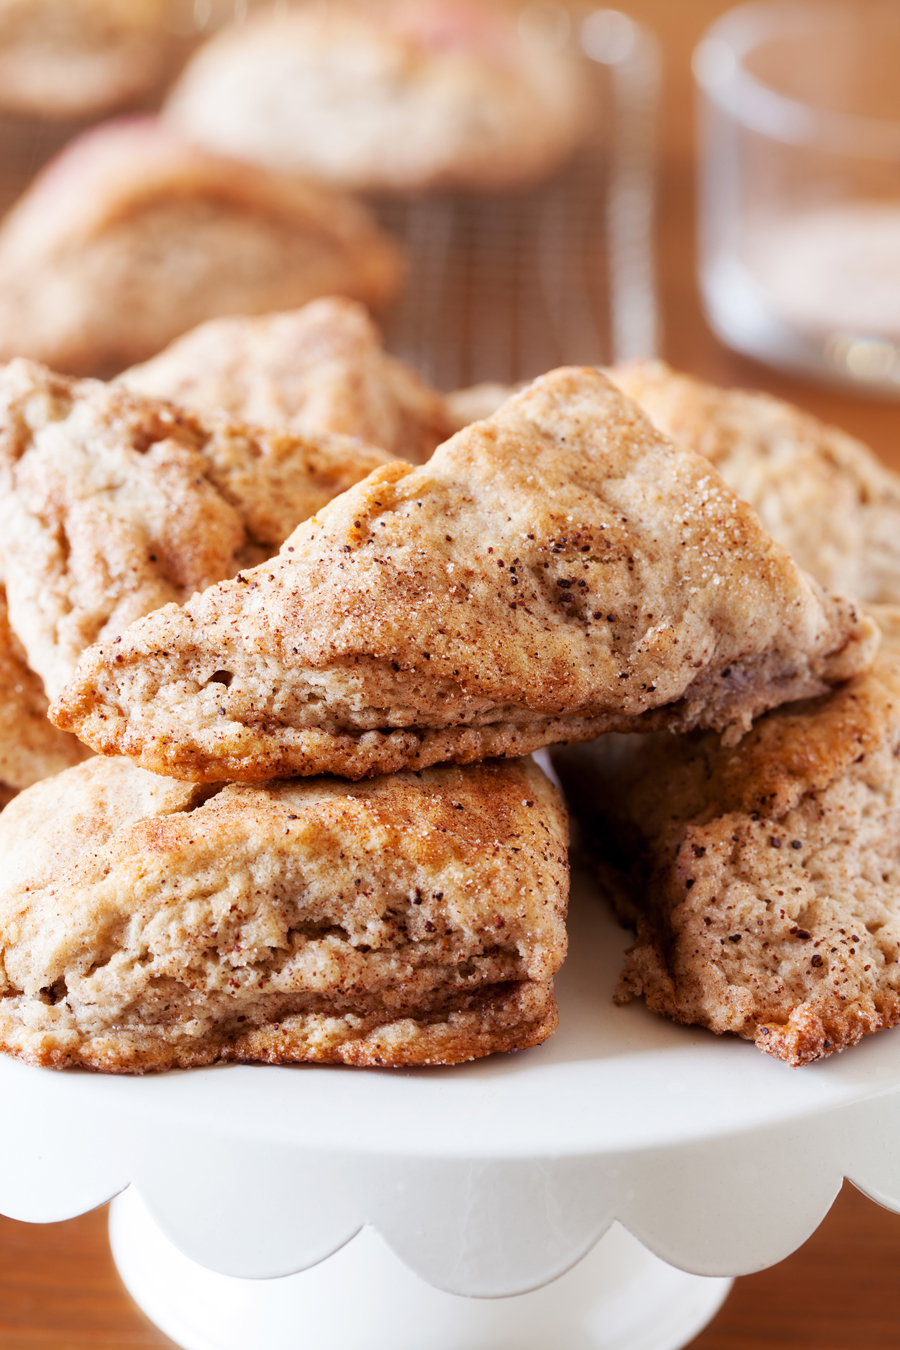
(719, 67)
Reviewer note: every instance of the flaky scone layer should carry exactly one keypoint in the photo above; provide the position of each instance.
(764, 880)
(146, 923)
(821, 493)
(554, 572)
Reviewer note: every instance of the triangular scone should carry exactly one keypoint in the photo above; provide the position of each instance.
(31, 747)
(764, 880)
(818, 491)
(112, 505)
(555, 572)
(147, 924)
(131, 236)
(320, 368)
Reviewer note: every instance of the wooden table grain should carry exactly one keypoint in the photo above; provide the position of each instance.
(58, 1287)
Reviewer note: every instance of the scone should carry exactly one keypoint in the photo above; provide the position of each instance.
(131, 236)
(31, 748)
(555, 572)
(478, 402)
(112, 504)
(818, 491)
(320, 368)
(764, 880)
(147, 924)
(400, 95)
(79, 58)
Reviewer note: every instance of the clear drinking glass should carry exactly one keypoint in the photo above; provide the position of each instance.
(800, 186)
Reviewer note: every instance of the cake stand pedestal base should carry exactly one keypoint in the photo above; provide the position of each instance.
(619, 1297)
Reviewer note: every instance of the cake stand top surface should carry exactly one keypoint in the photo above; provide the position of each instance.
(611, 1079)
(717, 1157)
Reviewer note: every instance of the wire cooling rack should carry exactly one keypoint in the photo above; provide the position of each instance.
(503, 287)
(500, 287)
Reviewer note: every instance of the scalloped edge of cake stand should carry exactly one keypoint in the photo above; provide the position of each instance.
(617, 1297)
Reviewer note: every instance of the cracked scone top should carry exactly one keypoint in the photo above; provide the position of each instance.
(112, 504)
(147, 924)
(763, 879)
(557, 571)
(319, 368)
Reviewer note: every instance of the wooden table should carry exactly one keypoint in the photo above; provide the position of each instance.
(58, 1287)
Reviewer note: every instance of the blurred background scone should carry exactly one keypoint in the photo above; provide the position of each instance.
(396, 95)
(79, 58)
(131, 236)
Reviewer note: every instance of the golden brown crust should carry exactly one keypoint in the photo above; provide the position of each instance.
(763, 880)
(558, 570)
(317, 369)
(112, 504)
(146, 924)
(131, 236)
(819, 492)
(31, 747)
(510, 1019)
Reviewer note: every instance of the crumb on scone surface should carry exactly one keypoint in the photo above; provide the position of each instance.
(554, 572)
(820, 492)
(147, 924)
(764, 879)
(112, 504)
(321, 368)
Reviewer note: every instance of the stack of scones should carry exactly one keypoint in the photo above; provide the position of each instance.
(312, 831)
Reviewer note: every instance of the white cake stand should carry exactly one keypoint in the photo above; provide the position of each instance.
(480, 1200)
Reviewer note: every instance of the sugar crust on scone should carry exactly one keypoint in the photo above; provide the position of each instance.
(820, 492)
(131, 236)
(555, 572)
(112, 504)
(147, 924)
(319, 368)
(763, 879)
